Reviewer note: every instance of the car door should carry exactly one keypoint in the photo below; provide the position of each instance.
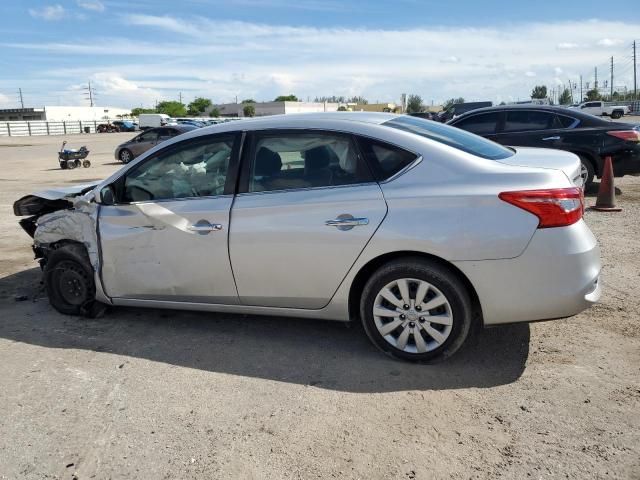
(144, 142)
(306, 208)
(594, 108)
(483, 124)
(529, 128)
(164, 236)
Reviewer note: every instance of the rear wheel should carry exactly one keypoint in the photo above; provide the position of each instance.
(69, 280)
(416, 310)
(587, 172)
(616, 114)
(125, 155)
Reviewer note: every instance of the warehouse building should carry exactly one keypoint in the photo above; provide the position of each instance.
(60, 113)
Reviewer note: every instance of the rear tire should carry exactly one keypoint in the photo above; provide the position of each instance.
(424, 332)
(587, 171)
(69, 282)
(616, 114)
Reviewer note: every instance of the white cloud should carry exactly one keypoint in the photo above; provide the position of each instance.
(48, 12)
(221, 59)
(4, 100)
(609, 42)
(94, 5)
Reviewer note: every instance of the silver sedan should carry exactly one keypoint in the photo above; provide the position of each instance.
(419, 230)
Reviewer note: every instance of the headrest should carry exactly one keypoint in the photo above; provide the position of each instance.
(316, 159)
(267, 163)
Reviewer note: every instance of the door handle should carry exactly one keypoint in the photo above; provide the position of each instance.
(346, 222)
(203, 227)
(546, 139)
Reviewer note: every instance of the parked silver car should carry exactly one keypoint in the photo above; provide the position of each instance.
(418, 229)
(127, 151)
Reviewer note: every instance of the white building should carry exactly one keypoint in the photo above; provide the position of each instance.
(55, 114)
(58, 114)
(272, 108)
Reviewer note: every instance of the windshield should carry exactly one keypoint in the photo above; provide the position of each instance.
(451, 136)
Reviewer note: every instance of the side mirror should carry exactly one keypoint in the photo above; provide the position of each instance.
(107, 195)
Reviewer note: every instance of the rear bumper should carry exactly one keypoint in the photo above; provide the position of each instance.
(556, 276)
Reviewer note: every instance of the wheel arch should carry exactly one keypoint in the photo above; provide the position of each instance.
(365, 272)
(591, 158)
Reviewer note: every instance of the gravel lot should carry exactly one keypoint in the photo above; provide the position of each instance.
(153, 394)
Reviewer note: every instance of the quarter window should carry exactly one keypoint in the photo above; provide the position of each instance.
(527, 120)
(305, 160)
(481, 124)
(192, 169)
(385, 160)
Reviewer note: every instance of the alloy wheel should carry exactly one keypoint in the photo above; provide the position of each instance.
(412, 315)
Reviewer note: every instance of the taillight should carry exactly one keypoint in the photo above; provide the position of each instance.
(627, 135)
(556, 207)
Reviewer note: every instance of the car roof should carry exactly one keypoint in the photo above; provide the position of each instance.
(376, 118)
(585, 118)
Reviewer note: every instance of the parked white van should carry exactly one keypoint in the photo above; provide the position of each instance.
(153, 120)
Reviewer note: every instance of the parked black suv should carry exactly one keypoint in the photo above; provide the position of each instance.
(590, 137)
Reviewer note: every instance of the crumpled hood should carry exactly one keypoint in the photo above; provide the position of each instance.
(568, 162)
(46, 201)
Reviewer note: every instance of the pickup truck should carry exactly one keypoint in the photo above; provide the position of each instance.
(602, 109)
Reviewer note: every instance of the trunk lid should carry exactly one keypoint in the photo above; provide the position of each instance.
(568, 162)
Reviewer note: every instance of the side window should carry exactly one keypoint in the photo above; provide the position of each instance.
(305, 160)
(484, 124)
(526, 120)
(149, 136)
(195, 168)
(561, 121)
(384, 159)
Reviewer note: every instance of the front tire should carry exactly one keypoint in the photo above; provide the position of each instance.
(68, 280)
(125, 155)
(416, 310)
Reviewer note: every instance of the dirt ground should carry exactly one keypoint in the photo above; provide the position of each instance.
(158, 394)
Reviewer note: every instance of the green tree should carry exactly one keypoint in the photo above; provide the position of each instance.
(331, 99)
(172, 108)
(249, 111)
(451, 102)
(248, 100)
(286, 98)
(358, 99)
(539, 91)
(565, 97)
(198, 106)
(215, 112)
(414, 103)
(593, 95)
(138, 110)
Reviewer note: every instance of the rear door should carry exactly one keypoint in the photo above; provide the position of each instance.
(308, 205)
(530, 128)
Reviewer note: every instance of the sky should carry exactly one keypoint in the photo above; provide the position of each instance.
(137, 52)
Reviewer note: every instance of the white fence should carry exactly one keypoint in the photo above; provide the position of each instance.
(67, 127)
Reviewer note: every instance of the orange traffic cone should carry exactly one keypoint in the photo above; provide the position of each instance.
(606, 201)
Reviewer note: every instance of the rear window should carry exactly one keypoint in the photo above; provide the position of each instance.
(451, 136)
(480, 124)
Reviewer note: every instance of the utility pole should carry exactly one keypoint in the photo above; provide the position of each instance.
(91, 93)
(21, 100)
(611, 90)
(635, 78)
(596, 84)
(180, 95)
(581, 97)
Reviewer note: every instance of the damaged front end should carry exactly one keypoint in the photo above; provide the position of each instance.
(57, 216)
